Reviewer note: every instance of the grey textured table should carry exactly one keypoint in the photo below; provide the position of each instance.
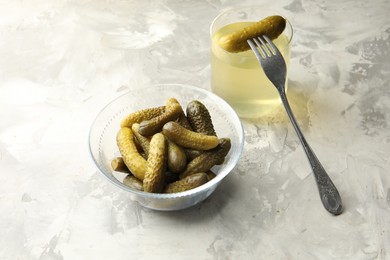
(62, 61)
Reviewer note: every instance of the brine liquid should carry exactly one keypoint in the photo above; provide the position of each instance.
(239, 79)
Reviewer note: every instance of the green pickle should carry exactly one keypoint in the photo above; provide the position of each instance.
(188, 183)
(199, 118)
(154, 125)
(271, 26)
(155, 167)
(208, 159)
(189, 139)
(177, 159)
(133, 183)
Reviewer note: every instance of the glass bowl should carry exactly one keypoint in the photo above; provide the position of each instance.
(103, 147)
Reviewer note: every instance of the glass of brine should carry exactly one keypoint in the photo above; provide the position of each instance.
(238, 77)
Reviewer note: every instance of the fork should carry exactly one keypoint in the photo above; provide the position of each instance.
(275, 69)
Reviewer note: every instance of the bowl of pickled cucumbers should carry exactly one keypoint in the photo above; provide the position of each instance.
(168, 145)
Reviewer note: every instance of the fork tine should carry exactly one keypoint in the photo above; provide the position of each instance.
(263, 46)
(258, 44)
(251, 44)
(258, 50)
(254, 49)
(270, 45)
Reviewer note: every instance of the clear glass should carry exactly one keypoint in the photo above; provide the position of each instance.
(103, 148)
(238, 77)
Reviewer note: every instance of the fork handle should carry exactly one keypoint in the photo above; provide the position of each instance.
(330, 197)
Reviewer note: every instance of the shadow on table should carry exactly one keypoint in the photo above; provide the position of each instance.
(207, 209)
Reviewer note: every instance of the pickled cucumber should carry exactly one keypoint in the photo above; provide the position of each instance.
(271, 26)
(139, 147)
(199, 118)
(117, 164)
(187, 138)
(155, 167)
(154, 125)
(141, 115)
(177, 159)
(210, 175)
(143, 141)
(208, 159)
(192, 153)
(132, 158)
(190, 182)
(132, 182)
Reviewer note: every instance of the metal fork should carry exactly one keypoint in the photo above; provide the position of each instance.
(274, 68)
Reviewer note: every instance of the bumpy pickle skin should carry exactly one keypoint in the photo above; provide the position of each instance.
(133, 183)
(142, 115)
(155, 168)
(154, 125)
(177, 159)
(132, 158)
(144, 142)
(208, 159)
(118, 165)
(199, 118)
(187, 138)
(271, 26)
(188, 183)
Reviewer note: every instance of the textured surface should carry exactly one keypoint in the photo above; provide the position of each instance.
(62, 61)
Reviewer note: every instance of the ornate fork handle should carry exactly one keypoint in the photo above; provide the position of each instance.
(330, 197)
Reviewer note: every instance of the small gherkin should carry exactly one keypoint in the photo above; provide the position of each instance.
(131, 157)
(141, 115)
(208, 159)
(271, 26)
(117, 164)
(189, 139)
(133, 183)
(155, 166)
(188, 183)
(154, 125)
(199, 118)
